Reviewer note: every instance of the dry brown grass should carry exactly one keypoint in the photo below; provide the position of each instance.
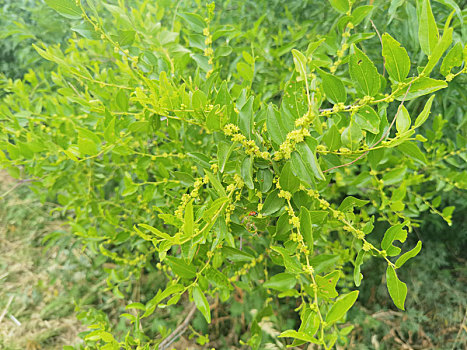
(31, 290)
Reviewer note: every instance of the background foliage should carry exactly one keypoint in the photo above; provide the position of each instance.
(129, 133)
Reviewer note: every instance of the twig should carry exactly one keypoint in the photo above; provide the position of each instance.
(379, 141)
(19, 183)
(6, 308)
(381, 41)
(178, 331)
(462, 327)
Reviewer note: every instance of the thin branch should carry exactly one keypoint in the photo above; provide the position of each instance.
(381, 139)
(6, 308)
(19, 183)
(178, 331)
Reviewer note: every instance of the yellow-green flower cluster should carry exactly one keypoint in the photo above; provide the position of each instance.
(208, 51)
(192, 195)
(245, 268)
(288, 146)
(249, 145)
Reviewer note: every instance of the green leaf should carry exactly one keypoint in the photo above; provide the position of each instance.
(393, 233)
(195, 22)
(423, 116)
(161, 295)
(224, 150)
(306, 227)
(341, 306)
(327, 284)
(272, 203)
(214, 181)
(188, 220)
(246, 71)
(333, 87)
(236, 255)
(275, 126)
(397, 289)
(332, 138)
(309, 160)
(291, 263)
(408, 255)
(215, 206)
(67, 8)
(411, 149)
(282, 281)
(247, 172)
(452, 59)
(427, 30)
(299, 60)
(368, 119)
(403, 120)
(438, 51)
(122, 100)
(350, 202)
(352, 135)
(181, 268)
(422, 86)
(343, 6)
(264, 178)
(357, 276)
(157, 233)
(397, 61)
(364, 73)
(298, 335)
(201, 303)
(288, 181)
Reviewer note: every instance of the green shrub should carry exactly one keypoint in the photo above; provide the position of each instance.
(250, 178)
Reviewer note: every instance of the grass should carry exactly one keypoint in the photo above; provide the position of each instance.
(38, 286)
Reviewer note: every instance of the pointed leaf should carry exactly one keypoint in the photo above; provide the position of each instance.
(403, 120)
(201, 303)
(427, 30)
(341, 306)
(423, 116)
(364, 73)
(408, 255)
(397, 289)
(396, 59)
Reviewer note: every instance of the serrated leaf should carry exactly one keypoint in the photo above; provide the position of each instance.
(157, 233)
(201, 303)
(341, 306)
(397, 289)
(397, 60)
(215, 206)
(427, 30)
(309, 160)
(161, 295)
(275, 126)
(408, 255)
